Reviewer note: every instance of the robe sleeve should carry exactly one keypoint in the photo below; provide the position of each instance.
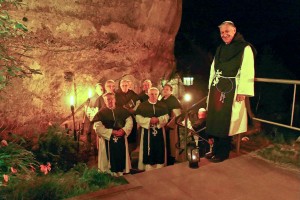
(211, 77)
(144, 122)
(176, 112)
(128, 125)
(102, 131)
(212, 73)
(246, 78)
(137, 103)
(163, 120)
(189, 124)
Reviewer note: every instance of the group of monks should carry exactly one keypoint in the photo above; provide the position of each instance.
(124, 121)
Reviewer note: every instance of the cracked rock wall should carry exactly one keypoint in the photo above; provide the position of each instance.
(94, 40)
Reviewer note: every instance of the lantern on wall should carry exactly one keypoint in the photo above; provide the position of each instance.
(188, 80)
(193, 155)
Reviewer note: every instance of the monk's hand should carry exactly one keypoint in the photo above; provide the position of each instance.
(240, 97)
(121, 132)
(154, 120)
(115, 133)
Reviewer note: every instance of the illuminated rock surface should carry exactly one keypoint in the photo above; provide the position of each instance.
(93, 39)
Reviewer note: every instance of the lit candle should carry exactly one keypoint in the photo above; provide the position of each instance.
(72, 100)
(90, 93)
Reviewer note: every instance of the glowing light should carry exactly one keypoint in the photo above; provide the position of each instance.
(72, 100)
(90, 93)
(187, 81)
(187, 97)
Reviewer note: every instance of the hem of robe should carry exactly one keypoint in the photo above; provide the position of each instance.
(239, 118)
(141, 165)
(103, 162)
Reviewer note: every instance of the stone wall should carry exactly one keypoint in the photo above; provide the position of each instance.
(93, 40)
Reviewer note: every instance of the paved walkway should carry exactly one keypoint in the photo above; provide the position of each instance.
(244, 177)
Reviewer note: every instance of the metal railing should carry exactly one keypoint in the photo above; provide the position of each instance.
(281, 81)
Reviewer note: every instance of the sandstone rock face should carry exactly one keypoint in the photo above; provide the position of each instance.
(92, 40)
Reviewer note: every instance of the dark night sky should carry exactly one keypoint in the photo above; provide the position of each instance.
(275, 23)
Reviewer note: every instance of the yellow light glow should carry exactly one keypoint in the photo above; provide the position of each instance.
(187, 97)
(90, 93)
(72, 100)
(188, 81)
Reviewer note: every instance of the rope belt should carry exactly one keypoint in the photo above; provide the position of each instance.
(216, 81)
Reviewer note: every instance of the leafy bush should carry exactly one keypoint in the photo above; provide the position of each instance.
(100, 180)
(16, 162)
(285, 148)
(19, 178)
(56, 147)
(61, 185)
(281, 154)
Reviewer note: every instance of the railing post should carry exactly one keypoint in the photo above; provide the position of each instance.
(293, 105)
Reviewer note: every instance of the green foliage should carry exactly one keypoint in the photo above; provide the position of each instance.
(282, 154)
(56, 147)
(26, 183)
(280, 135)
(20, 159)
(61, 185)
(11, 65)
(285, 148)
(95, 179)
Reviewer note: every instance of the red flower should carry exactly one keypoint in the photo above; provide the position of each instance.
(4, 143)
(13, 170)
(5, 177)
(45, 168)
(48, 166)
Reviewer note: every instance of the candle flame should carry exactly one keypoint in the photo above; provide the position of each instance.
(90, 93)
(72, 100)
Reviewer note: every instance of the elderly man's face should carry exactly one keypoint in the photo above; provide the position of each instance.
(110, 87)
(146, 86)
(129, 84)
(166, 91)
(227, 33)
(124, 86)
(99, 90)
(153, 95)
(110, 101)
